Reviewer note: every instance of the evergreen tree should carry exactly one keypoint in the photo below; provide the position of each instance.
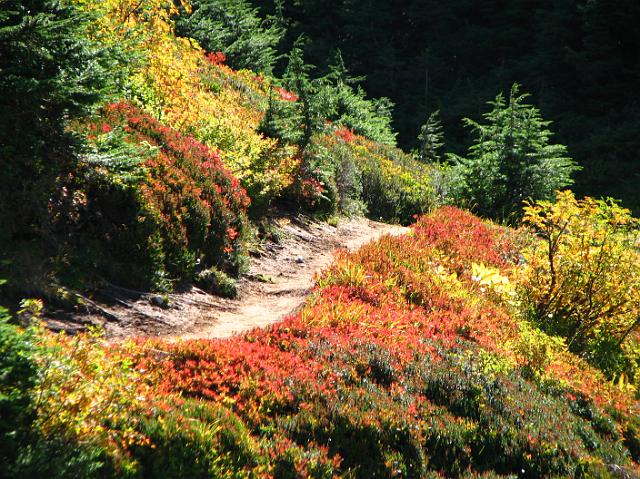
(49, 73)
(297, 79)
(344, 102)
(430, 140)
(236, 29)
(331, 97)
(282, 118)
(511, 160)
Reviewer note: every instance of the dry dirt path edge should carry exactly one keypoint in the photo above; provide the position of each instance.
(289, 268)
(292, 267)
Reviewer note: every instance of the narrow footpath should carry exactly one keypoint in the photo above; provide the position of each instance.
(280, 277)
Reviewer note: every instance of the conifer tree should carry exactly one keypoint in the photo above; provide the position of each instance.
(347, 104)
(512, 159)
(297, 79)
(430, 139)
(282, 118)
(49, 73)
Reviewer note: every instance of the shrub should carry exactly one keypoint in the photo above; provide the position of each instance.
(583, 277)
(180, 208)
(218, 106)
(18, 376)
(395, 187)
(400, 365)
(217, 282)
(180, 446)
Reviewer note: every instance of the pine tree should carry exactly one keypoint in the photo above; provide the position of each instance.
(297, 79)
(344, 102)
(282, 118)
(430, 140)
(511, 160)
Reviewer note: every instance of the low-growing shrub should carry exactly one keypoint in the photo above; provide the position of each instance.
(18, 376)
(217, 282)
(176, 207)
(352, 174)
(402, 364)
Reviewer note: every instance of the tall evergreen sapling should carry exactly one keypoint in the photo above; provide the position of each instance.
(430, 139)
(297, 79)
(511, 161)
(343, 101)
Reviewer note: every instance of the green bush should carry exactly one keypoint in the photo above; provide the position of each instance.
(217, 282)
(395, 186)
(18, 375)
(196, 439)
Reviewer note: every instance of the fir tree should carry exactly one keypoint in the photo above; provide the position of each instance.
(430, 140)
(236, 29)
(282, 118)
(297, 79)
(512, 159)
(49, 73)
(344, 102)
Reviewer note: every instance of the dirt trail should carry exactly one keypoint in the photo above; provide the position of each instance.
(292, 265)
(279, 279)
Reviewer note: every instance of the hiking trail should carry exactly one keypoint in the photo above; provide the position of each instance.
(280, 277)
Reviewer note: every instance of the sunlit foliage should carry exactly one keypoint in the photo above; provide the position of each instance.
(583, 278)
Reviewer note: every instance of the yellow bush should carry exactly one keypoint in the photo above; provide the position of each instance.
(87, 392)
(170, 80)
(583, 276)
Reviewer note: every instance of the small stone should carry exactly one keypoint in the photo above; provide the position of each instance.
(160, 301)
(299, 259)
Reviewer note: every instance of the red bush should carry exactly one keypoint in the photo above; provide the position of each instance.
(216, 58)
(199, 204)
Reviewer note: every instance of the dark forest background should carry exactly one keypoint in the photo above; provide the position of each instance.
(579, 59)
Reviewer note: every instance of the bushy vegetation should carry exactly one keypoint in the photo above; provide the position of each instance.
(585, 269)
(145, 152)
(462, 349)
(187, 210)
(17, 378)
(413, 358)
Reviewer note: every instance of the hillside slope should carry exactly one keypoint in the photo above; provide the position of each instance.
(174, 158)
(140, 164)
(403, 363)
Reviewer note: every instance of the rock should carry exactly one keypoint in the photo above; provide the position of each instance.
(160, 301)
(299, 260)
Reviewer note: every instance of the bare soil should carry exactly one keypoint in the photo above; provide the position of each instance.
(280, 276)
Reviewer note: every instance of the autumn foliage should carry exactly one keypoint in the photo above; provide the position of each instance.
(410, 358)
(187, 207)
(584, 278)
